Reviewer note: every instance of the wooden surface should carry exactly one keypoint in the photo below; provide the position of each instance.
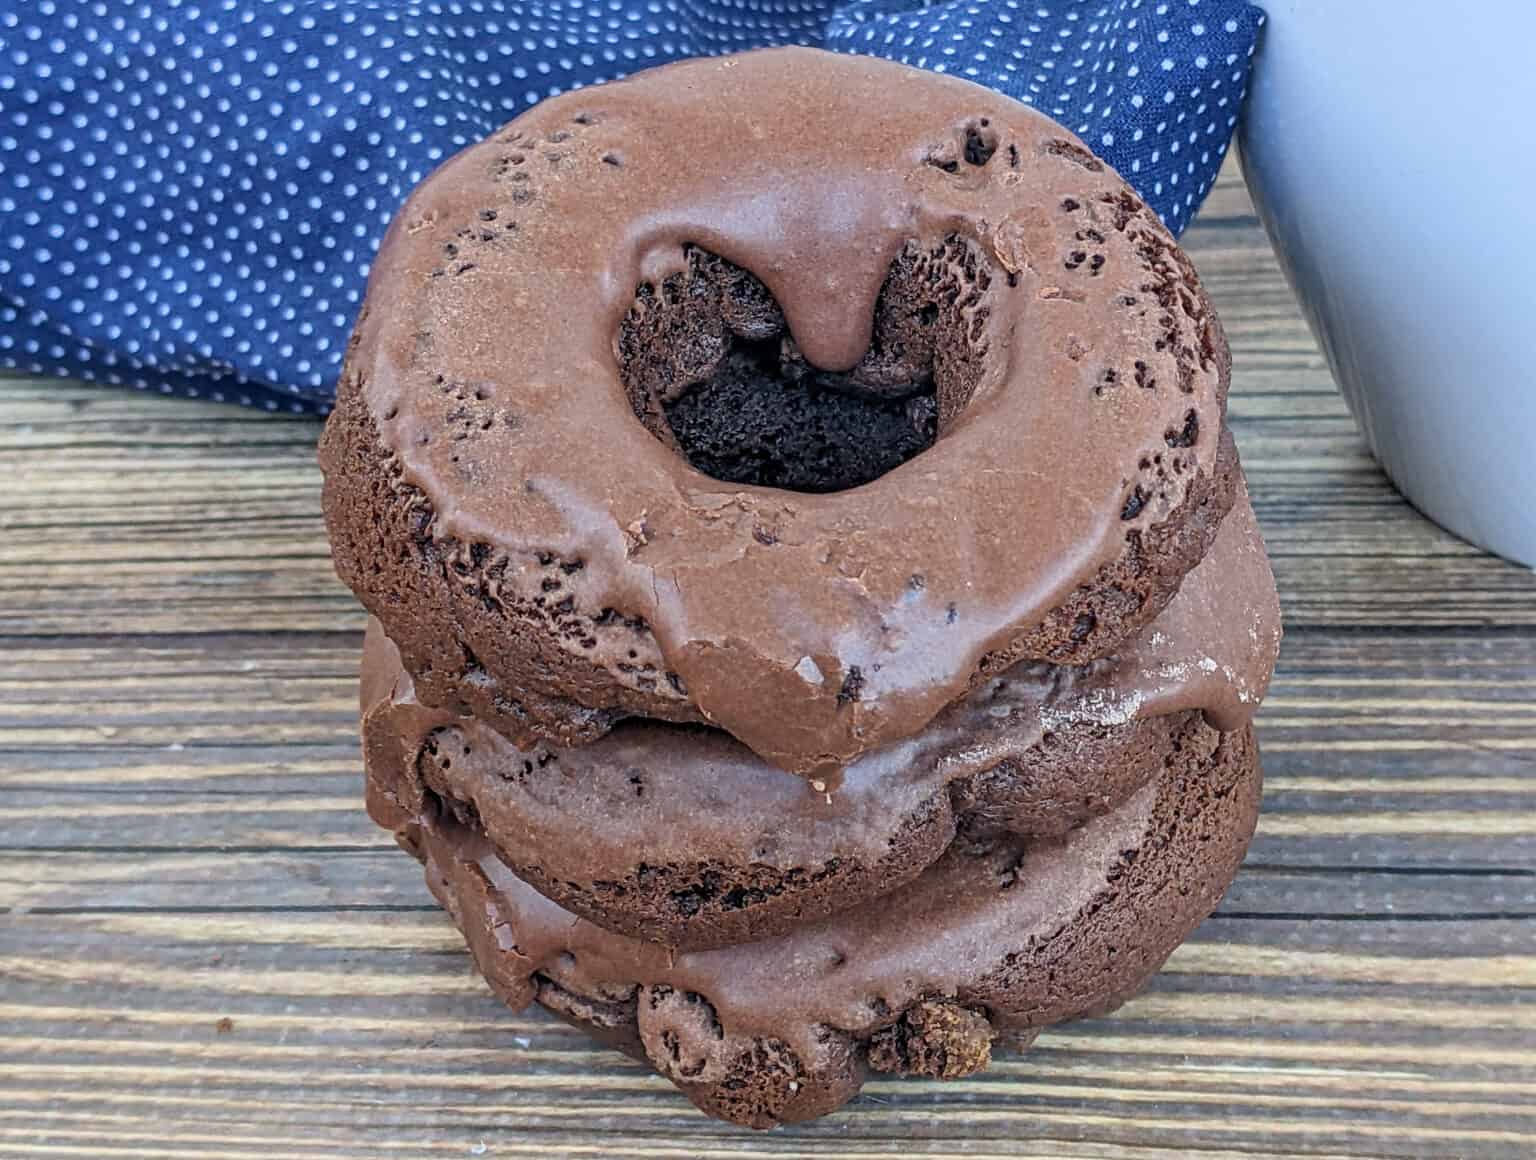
(206, 949)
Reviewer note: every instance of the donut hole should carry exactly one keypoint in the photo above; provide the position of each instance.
(766, 419)
(711, 369)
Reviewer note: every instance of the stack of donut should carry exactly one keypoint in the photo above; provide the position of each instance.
(817, 611)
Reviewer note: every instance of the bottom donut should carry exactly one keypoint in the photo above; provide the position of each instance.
(995, 939)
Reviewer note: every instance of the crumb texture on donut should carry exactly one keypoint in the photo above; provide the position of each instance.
(934, 1039)
(539, 620)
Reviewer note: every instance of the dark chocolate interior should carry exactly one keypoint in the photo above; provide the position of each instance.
(711, 369)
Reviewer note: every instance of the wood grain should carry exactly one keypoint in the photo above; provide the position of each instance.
(207, 951)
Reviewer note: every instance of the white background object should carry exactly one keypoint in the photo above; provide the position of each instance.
(1390, 147)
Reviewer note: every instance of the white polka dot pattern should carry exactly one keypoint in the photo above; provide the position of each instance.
(192, 189)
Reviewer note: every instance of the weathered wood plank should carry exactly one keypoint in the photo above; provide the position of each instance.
(391, 1024)
(1343, 1037)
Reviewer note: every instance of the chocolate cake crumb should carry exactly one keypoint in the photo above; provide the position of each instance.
(710, 366)
(940, 1040)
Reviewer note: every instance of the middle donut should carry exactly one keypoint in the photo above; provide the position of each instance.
(681, 834)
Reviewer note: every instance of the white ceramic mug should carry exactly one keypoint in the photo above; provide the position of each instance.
(1390, 147)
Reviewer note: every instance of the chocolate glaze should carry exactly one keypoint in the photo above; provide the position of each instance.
(811, 171)
(706, 798)
(971, 921)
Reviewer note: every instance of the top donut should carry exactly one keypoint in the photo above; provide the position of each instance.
(790, 392)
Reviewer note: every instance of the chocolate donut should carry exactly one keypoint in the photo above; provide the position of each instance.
(789, 392)
(1008, 936)
(682, 835)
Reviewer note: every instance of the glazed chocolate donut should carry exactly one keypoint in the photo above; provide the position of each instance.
(1005, 937)
(682, 835)
(790, 392)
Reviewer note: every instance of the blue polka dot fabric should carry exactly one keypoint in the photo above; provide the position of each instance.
(192, 190)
